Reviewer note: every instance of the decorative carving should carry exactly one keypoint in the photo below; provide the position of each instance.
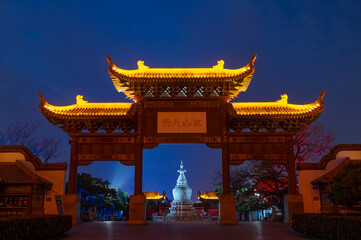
(240, 156)
(79, 100)
(73, 126)
(181, 104)
(238, 124)
(257, 139)
(100, 157)
(219, 65)
(92, 126)
(106, 139)
(284, 99)
(157, 140)
(141, 65)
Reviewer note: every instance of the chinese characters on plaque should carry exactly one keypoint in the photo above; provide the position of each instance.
(182, 122)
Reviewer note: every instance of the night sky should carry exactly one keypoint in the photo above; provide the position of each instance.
(60, 47)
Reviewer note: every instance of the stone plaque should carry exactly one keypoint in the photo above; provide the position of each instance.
(182, 122)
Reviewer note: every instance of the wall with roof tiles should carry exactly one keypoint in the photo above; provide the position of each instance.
(311, 196)
(56, 177)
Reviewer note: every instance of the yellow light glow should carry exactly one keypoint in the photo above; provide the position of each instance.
(145, 71)
(154, 195)
(276, 108)
(207, 195)
(75, 109)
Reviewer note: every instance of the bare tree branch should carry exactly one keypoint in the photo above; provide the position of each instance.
(26, 133)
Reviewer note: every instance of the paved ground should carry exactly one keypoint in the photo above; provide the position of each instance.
(183, 230)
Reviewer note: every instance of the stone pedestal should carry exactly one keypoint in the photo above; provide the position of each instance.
(137, 209)
(227, 209)
(293, 204)
(71, 206)
(182, 211)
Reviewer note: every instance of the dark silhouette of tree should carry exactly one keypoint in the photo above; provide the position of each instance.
(346, 186)
(26, 133)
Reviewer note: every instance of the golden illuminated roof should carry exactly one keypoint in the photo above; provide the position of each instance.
(278, 109)
(91, 116)
(208, 195)
(157, 82)
(83, 109)
(154, 195)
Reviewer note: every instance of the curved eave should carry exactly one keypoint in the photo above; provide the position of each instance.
(277, 110)
(241, 77)
(84, 111)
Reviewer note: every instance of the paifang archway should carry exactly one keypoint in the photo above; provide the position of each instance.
(182, 106)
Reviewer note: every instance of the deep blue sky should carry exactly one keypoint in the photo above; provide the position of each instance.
(60, 47)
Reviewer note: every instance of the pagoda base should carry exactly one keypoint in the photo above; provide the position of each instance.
(182, 211)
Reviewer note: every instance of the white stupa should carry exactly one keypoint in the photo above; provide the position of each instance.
(182, 207)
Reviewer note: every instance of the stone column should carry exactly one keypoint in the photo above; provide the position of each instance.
(227, 206)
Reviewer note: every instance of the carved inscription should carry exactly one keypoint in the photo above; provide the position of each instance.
(182, 122)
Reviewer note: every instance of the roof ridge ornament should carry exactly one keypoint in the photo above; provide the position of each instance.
(141, 65)
(80, 101)
(283, 100)
(135, 83)
(219, 66)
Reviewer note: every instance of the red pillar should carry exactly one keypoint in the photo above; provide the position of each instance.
(137, 200)
(291, 169)
(227, 204)
(225, 168)
(73, 168)
(293, 202)
(138, 175)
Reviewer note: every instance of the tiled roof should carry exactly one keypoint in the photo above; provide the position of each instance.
(85, 110)
(16, 173)
(29, 156)
(138, 83)
(147, 74)
(278, 109)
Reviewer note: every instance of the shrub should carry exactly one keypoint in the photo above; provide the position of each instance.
(34, 227)
(328, 226)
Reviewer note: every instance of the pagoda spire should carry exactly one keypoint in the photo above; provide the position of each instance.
(182, 180)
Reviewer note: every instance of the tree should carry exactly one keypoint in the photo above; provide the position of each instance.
(346, 186)
(123, 199)
(95, 192)
(270, 180)
(312, 143)
(26, 133)
(259, 185)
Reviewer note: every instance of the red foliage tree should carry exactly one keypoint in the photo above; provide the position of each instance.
(312, 143)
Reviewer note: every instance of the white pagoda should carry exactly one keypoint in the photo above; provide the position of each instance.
(182, 207)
